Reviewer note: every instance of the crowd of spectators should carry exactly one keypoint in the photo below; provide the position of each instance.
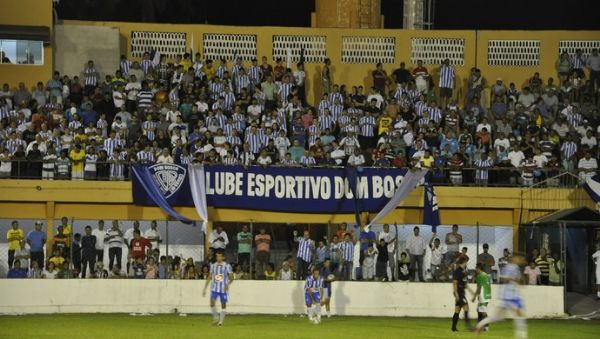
(348, 254)
(219, 112)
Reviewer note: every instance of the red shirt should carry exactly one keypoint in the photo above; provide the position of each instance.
(138, 247)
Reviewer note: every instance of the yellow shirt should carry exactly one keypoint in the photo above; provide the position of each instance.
(57, 261)
(12, 233)
(384, 124)
(209, 72)
(78, 163)
(427, 162)
(186, 64)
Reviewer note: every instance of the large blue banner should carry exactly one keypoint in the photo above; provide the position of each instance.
(310, 190)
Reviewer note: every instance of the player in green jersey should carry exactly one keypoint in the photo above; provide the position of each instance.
(483, 292)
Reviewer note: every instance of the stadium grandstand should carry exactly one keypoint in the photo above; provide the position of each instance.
(385, 170)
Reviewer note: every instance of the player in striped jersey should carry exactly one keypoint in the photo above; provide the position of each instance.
(447, 76)
(510, 298)
(313, 290)
(220, 278)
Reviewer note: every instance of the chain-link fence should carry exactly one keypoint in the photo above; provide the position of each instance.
(283, 247)
(176, 239)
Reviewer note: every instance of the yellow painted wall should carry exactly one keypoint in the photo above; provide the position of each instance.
(37, 199)
(360, 74)
(27, 13)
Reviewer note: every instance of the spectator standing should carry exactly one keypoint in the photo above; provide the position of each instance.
(100, 234)
(88, 252)
(347, 256)
(368, 265)
(244, 239)
(22, 255)
(436, 256)
(153, 235)
(390, 241)
(382, 260)
(139, 246)
(453, 241)
(366, 239)
(542, 264)
(304, 256)
(532, 272)
(129, 233)
(36, 239)
(447, 77)
(114, 237)
(263, 243)
(486, 259)
(335, 252)
(321, 253)
(416, 245)
(14, 237)
(218, 239)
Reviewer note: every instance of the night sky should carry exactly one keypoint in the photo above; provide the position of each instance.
(449, 14)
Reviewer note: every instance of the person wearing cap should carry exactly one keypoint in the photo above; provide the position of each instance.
(14, 236)
(36, 239)
(486, 259)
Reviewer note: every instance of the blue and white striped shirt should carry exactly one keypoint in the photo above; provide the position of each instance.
(146, 65)
(447, 76)
(568, 149)
(347, 249)
(578, 62)
(336, 111)
(308, 161)
(482, 165)
(313, 283)
(323, 105)
(149, 128)
(510, 290)
(91, 77)
(117, 169)
(229, 100)
(146, 157)
(241, 81)
(305, 247)
(284, 91)
(111, 144)
(254, 141)
(220, 277)
(255, 74)
(125, 65)
(335, 95)
(326, 121)
(220, 71)
(367, 126)
(435, 114)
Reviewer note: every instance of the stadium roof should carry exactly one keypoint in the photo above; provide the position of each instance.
(572, 217)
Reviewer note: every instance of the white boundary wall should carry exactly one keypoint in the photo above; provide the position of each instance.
(21, 296)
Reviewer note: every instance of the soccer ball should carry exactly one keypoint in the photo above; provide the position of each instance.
(331, 277)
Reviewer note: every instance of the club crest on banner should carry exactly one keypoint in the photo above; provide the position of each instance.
(169, 177)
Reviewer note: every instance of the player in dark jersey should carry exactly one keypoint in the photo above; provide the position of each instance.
(459, 281)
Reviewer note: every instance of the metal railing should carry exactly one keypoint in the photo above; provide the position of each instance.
(470, 176)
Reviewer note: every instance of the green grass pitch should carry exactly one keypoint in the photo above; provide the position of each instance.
(114, 326)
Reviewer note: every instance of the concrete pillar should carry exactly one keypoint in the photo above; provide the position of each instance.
(347, 14)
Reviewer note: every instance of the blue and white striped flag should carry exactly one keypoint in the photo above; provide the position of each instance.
(155, 57)
(592, 186)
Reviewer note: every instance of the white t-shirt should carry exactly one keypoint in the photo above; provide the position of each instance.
(516, 158)
(388, 237)
(99, 234)
(150, 233)
(266, 160)
(436, 255)
(540, 160)
(50, 275)
(220, 243)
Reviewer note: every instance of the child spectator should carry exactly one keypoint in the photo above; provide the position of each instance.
(533, 274)
(368, 266)
(382, 260)
(137, 268)
(151, 270)
(403, 267)
(286, 272)
(270, 273)
(101, 273)
(57, 259)
(50, 272)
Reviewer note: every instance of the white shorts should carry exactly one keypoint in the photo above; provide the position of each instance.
(482, 307)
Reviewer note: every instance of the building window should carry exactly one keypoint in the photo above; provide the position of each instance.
(21, 52)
